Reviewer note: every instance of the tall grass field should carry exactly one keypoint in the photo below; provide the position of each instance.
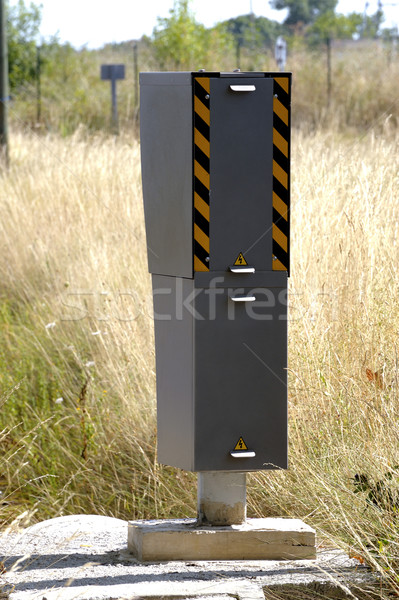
(77, 369)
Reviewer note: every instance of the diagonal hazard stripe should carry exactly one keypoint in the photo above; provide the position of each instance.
(278, 266)
(203, 223)
(280, 110)
(201, 93)
(281, 170)
(205, 83)
(201, 206)
(280, 174)
(280, 238)
(284, 82)
(201, 142)
(204, 191)
(202, 175)
(201, 238)
(280, 206)
(203, 128)
(280, 159)
(279, 221)
(203, 160)
(280, 142)
(202, 110)
(202, 151)
(199, 265)
(201, 254)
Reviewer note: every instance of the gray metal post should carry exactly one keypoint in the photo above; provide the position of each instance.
(114, 105)
(222, 498)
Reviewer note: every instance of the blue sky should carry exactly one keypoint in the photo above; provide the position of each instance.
(94, 23)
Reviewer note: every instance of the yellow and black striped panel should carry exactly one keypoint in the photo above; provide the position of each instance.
(201, 173)
(281, 172)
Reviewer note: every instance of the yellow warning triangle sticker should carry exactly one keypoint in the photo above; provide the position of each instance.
(240, 261)
(240, 445)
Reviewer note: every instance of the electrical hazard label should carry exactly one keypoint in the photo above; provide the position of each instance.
(241, 445)
(240, 262)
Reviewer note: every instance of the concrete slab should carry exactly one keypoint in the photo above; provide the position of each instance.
(256, 539)
(85, 557)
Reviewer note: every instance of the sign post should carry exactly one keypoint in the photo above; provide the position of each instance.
(113, 73)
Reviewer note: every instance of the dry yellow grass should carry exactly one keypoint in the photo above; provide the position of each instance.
(75, 307)
(76, 300)
(344, 324)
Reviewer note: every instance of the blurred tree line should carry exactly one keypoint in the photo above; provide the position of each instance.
(181, 42)
(58, 86)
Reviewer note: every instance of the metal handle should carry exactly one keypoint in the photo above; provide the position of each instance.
(242, 453)
(238, 269)
(242, 88)
(243, 298)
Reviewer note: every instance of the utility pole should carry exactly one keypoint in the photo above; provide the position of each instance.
(4, 93)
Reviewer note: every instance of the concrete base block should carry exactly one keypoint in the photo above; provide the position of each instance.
(256, 539)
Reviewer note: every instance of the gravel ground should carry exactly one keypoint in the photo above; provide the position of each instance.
(86, 557)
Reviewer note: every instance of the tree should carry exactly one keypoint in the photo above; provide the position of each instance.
(23, 24)
(253, 32)
(304, 11)
(371, 24)
(330, 26)
(178, 39)
(180, 42)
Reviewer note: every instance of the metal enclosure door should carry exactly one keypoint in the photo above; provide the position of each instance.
(240, 388)
(241, 171)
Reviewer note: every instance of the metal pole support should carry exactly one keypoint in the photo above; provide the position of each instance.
(222, 498)
(114, 117)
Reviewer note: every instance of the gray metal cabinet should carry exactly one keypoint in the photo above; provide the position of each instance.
(215, 169)
(221, 371)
